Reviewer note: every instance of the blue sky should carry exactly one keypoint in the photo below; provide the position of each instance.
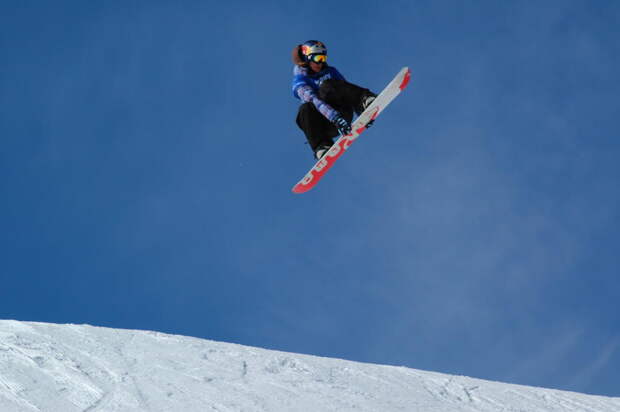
(149, 149)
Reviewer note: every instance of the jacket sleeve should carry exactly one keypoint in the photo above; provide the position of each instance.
(307, 94)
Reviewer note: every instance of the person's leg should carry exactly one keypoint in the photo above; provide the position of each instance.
(318, 130)
(344, 96)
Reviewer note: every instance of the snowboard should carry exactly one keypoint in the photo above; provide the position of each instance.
(384, 98)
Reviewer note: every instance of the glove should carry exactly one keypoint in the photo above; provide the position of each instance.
(343, 126)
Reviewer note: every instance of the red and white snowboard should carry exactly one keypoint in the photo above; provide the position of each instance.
(384, 98)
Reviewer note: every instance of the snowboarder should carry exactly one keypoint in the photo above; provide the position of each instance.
(329, 100)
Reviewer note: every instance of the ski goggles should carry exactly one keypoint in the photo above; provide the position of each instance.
(318, 58)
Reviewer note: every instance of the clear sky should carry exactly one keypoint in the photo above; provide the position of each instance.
(149, 148)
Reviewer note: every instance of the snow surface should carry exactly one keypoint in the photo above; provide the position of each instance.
(64, 368)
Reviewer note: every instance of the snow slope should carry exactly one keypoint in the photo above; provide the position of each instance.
(64, 368)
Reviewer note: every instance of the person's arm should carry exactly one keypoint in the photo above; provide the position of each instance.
(306, 94)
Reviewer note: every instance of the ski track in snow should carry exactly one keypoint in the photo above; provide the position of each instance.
(66, 368)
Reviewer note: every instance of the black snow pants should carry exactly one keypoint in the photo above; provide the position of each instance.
(343, 96)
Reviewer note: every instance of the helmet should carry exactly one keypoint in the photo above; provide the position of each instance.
(313, 48)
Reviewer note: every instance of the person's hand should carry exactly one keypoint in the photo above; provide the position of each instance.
(343, 126)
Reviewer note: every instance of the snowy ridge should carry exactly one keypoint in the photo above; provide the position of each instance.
(65, 368)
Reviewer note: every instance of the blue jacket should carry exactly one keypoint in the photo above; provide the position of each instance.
(306, 87)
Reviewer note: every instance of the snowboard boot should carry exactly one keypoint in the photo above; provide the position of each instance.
(365, 101)
(321, 151)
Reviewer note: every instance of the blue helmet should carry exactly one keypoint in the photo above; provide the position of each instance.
(313, 48)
